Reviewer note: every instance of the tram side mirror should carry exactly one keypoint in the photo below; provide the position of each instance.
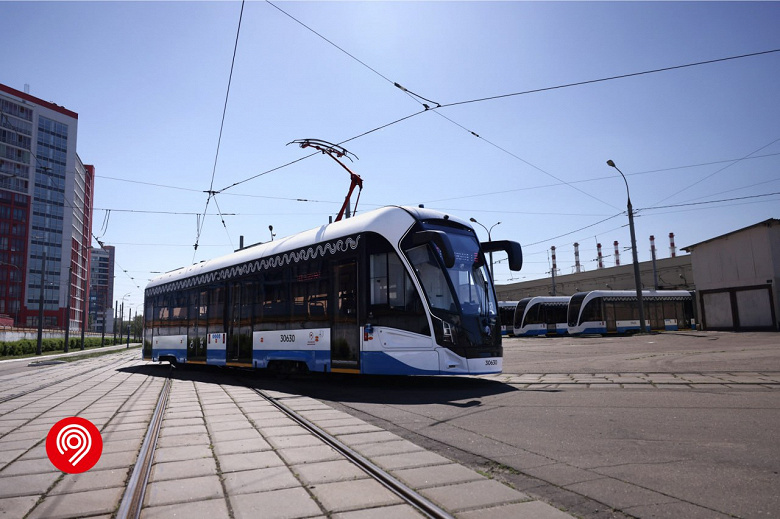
(441, 241)
(512, 248)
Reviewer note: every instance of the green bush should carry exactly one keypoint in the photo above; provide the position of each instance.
(29, 346)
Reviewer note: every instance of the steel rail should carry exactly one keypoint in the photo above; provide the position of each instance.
(416, 500)
(133, 498)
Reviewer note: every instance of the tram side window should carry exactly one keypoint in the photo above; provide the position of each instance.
(179, 313)
(148, 326)
(248, 302)
(519, 311)
(533, 315)
(162, 315)
(149, 314)
(255, 300)
(625, 310)
(276, 302)
(203, 307)
(556, 314)
(393, 299)
(310, 295)
(592, 311)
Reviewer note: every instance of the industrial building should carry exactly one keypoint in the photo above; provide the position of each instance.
(672, 273)
(737, 277)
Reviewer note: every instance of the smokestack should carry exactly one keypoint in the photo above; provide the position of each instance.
(617, 254)
(554, 263)
(577, 267)
(601, 259)
(652, 254)
(672, 248)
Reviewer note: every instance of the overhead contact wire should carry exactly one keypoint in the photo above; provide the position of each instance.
(211, 192)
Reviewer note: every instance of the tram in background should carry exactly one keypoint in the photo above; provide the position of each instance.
(541, 315)
(506, 314)
(617, 311)
(398, 290)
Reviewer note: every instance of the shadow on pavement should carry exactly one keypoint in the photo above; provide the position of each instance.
(461, 392)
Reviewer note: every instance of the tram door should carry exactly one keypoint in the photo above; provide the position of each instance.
(234, 328)
(239, 342)
(196, 336)
(345, 334)
(610, 315)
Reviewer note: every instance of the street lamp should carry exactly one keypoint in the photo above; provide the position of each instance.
(473, 220)
(637, 279)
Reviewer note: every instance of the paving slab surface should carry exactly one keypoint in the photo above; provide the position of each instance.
(223, 452)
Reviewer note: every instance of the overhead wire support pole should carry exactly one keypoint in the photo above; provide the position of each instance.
(637, 275)
(335, 152)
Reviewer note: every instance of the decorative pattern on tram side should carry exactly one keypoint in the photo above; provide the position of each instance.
(279, 260)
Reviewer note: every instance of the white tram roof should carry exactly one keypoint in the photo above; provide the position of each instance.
(392, 222)
(632, 293)
(548, 299)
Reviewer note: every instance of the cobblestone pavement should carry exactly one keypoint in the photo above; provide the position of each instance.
(222, 452)
(740, 380)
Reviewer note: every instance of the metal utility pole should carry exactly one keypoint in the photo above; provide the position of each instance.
(637, 278)
(39, 348)
(67, 311)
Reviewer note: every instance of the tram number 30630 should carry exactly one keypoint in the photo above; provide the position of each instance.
(287, 337)
(491, 362)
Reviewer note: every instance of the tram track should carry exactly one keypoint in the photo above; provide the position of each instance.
(408, 495)
(133, 498)
(132, 501)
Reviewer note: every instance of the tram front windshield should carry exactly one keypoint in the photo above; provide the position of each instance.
(462, 294)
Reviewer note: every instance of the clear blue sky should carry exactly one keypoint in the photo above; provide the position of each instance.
(148, 80)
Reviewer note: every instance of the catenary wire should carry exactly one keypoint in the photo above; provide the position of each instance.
(211, 192)
(716, 172)
(418, 98)
(610, 78)
(517, 93)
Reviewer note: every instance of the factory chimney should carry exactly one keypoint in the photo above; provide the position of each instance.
(617, 254)
(577, 267)
(652, 254)
(601, 259)
(672, 248)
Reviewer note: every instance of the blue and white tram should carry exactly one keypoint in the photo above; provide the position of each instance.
(398, 290)
(617, 311)
(541, 315)
(506, 314)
